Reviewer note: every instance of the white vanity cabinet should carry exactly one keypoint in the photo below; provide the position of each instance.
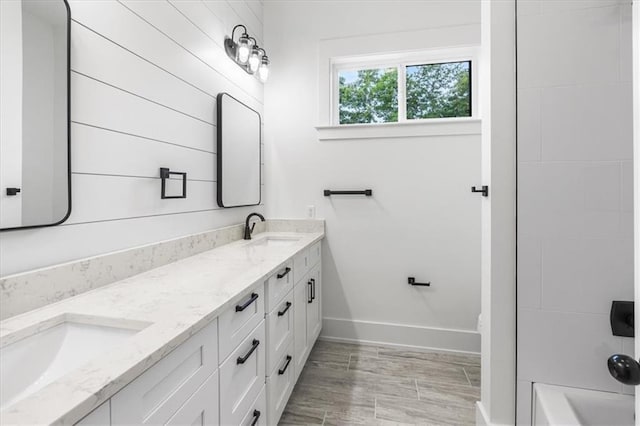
(241, 368)
(160, 392)
(98, 417)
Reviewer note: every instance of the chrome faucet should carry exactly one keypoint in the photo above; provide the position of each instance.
(248, 230)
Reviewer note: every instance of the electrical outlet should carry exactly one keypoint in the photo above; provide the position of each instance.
(311, 212)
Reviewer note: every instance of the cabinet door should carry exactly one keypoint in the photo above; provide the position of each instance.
(202, 408)
(279, 331)
(257, 414)
(155, 396)
(301, 296)
(279, 386)
(314, 309)
(278, 285)
(235, 324)
(300, 265)
(242, 377)
(101, 416)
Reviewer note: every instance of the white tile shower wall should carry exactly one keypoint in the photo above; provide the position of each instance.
(145, 75)
(575, 239)
(422, 219)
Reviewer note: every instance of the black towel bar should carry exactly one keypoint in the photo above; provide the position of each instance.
(367, 192)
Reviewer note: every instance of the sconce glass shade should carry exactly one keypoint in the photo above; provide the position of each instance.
(263, 71)
(254, 60)
(243, 49)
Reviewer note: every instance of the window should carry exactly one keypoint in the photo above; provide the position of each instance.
(439, 90)
(368, 95)
(402, 92)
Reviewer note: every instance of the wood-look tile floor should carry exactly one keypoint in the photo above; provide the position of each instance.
(346, 384)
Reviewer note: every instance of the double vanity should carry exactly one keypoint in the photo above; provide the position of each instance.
(216, 338)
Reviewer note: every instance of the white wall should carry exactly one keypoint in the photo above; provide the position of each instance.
(575, 196)
(422, 220)
(145, 75)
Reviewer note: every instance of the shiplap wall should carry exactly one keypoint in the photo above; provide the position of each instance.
(145, 75)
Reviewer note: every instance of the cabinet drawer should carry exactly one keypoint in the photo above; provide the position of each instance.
(202, 408)
(315, 253)
(239, 320)
(279, 386)
(279, 285)
(101, 416)
(160, 391)
(258, 411)
(300, 265)
(242, 377)
(279, 331)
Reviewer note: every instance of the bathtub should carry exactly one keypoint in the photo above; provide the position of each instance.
(559, 405)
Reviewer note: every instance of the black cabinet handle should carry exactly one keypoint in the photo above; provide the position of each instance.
(286, 365)
(13, 191)
(284, 274)
(284, 311)
(310, 299)
(313, 289)
(256, 416)
(245, 305)
(254, 346)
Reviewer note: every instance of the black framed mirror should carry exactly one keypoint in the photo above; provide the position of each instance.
(35, 151)
(238, 153)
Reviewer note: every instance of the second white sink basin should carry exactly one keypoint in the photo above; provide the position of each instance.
(274, 241)
(30, 364)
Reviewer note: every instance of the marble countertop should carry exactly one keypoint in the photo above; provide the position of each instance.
(177, 300)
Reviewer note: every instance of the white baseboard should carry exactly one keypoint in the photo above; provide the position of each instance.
(481, 415)
(482, 418)
(386, 334)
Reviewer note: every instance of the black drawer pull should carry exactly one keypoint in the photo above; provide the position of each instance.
(310, 299)
(254, 346)
(284, 311)
(284, 274)
(240, 308)
(256, 416)
(313, 289)
(283, 369)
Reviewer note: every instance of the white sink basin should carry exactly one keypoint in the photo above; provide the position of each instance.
(274, 241)
(30, 364)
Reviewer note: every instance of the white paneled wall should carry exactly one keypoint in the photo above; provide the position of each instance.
(145, 75)
(575, 229)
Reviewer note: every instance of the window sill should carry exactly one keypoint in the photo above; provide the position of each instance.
(418, 129)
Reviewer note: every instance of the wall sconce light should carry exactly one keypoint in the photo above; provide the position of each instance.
(247, 54)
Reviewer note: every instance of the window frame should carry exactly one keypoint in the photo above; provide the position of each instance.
(401, 61)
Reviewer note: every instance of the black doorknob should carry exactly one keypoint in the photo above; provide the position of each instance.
(624, 369)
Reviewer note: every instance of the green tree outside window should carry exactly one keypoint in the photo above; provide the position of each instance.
(432, 91)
